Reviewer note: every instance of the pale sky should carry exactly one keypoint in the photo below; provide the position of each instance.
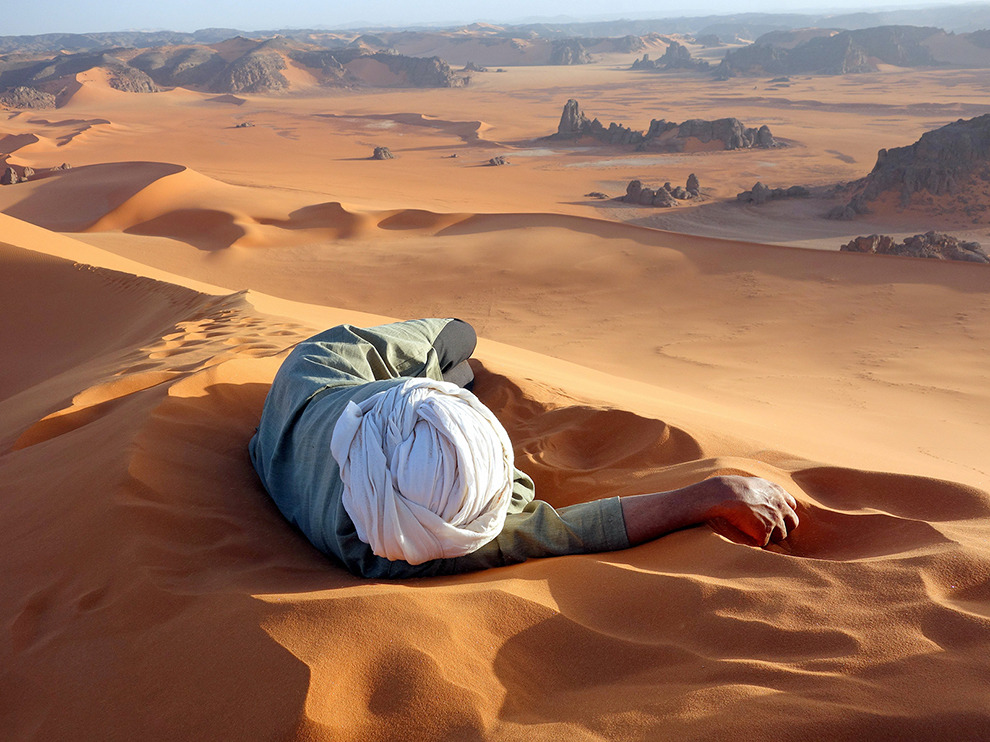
(80, 16)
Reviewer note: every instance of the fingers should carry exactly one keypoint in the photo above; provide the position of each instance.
(760, 509)
(787, 520)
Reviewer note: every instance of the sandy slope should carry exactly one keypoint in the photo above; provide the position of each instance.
(151, 589)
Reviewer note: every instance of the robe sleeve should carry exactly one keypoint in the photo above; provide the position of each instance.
(533, 529)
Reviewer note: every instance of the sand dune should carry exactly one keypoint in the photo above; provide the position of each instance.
(151, 589)
(172, 524)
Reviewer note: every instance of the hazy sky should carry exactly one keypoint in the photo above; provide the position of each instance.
(79, 16)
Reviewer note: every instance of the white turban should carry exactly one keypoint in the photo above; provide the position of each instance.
(427, 471)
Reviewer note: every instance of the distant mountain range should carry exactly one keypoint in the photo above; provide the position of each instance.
(42, 71)
(833, 52)
(748, 26)
(236, 65)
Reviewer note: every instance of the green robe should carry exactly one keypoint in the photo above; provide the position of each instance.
(291, 453)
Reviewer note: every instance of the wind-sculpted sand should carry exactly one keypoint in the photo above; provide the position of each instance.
(151, 589)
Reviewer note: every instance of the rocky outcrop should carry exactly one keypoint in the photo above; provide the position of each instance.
(573, 122)
(195, 66)
(693, 186)
(831, 53)
(130, 80)
(662, 135)
(568, 51)
(498, 161)
(676, 57)
(665, 196)
(259, 71)
(760, 194)
(929, 245)
(21, 96)
(382, 153)
(45, 73)
(941, 162)
(422, 72)
(9, 177)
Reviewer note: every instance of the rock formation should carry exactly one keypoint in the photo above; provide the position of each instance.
(9, 176)
(676, 57)
(382, 153)
(21, 96)
(929, 245)
(667, 136)
(183, 67)
(568, 51)
(831, 53)
(760, 194)
(497, 161)
(944, 161)
(53, 73)
(664, 196)
(693, 186)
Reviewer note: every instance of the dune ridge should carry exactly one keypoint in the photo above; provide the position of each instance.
(188, 535)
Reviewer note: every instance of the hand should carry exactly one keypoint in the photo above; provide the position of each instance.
(750, 510)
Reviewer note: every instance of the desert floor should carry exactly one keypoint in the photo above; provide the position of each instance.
(149, 293)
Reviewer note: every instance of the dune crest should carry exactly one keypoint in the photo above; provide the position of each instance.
(195, 540)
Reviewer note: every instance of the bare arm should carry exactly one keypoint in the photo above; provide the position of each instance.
(748, 509)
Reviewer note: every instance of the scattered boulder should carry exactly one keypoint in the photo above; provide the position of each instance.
(693, 186)
(498, 160)
(382, 153)
(596, 194)
(27, 172)
(935, 245)
(664, 196)
(63, 166)
(760, 194)
(9, 177)
(472, 67)
(662, 135)
(243, 125)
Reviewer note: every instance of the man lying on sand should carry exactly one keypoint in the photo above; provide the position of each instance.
(370, 444)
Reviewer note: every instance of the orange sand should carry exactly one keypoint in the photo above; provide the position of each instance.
(152, 591)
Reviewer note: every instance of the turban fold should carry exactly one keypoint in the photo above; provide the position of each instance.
(427, 471)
